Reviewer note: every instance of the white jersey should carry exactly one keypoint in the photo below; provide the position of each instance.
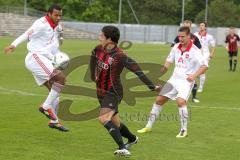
(206, 41)
(186, 62)
(42, 37)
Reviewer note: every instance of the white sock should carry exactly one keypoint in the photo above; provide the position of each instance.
(55, 109)
(55, 104)
(183, 112)
(156, 109)
(53, 94)
(202, 81)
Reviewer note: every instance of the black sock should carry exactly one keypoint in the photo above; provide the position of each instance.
(126, 133)
(230, 64)
(194, 91)
(235, 64)
(115, 133)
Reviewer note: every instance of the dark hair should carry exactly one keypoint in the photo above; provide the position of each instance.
(184, 29)
(111, 32)
(204, 24)
(54, 6)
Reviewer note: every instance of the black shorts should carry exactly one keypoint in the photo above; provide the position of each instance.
(232, 54)
(110, 100)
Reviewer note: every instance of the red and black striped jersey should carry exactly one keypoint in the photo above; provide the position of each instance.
(232, 42)
(106, 67)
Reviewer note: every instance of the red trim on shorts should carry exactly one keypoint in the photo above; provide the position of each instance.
(42, 65)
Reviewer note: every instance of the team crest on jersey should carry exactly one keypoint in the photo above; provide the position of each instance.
(110, 60)
(180, 60)
(187, 55)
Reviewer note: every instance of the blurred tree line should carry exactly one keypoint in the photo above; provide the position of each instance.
(220, 12)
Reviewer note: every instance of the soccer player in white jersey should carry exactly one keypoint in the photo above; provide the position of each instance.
(206, 41)
(189, 64)
(43, 43)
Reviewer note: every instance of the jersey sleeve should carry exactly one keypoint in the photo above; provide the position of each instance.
(197, 42)
(34, 30)
(93, 62)
(227, 39)
(171, 56)
(132, 65)
(200, 58)
(238, 39)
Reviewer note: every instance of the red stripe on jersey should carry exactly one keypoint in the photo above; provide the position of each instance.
(232, 42)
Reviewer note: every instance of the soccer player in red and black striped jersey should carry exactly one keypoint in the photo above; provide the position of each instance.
(232, 48)
(196, 41)
(106, 64)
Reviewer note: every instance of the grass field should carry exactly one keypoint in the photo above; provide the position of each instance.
(214, 132)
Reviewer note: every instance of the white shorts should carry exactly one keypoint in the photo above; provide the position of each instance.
(175, 88)
(41, 67)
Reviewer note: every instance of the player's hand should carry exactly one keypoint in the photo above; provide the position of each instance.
(211, 56)
(157, 88)
(163, 69)
(226, 48)
(9, 49)
(191, 78)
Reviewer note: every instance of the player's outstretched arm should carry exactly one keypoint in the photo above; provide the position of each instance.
(92, 65)
(9, 49)
(165, 67)
(212, 55)
(132, 65)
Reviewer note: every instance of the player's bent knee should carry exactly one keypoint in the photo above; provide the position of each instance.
(102, 119)
(60, 78)
(160, 100)
(181, 102)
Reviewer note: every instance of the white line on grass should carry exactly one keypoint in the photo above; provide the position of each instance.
(25, 93)
(207, 107)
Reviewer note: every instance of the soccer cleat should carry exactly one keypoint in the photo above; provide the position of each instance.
(144, 130)
(200, 90)
(122, 153)
(48, 113)
(195, 100)
(58, 126)
(129, 144)
(182, 134)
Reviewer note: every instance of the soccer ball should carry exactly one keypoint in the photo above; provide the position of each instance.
(61, 60)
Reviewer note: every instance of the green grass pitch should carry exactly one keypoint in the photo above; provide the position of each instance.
(214, 132)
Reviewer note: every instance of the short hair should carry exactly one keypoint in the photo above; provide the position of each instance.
(111, 32)
(205, 23)
(54, 6)
(184, 29)
(187, 21)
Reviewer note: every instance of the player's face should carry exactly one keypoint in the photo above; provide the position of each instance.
(183, 38)
(202, 27)
(103, 40)
(231, 31)
(55, 16)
